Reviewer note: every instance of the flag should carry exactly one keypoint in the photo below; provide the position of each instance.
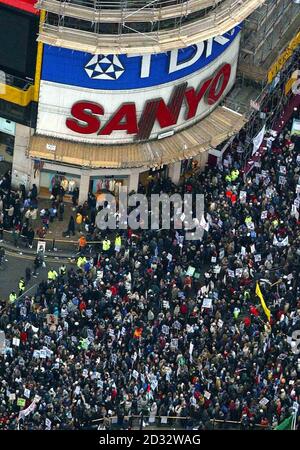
(286, 424)
(262, 300)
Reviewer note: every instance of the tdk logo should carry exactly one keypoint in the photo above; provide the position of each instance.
(102, 67)
(112, 67)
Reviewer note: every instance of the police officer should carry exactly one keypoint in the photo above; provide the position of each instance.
(106, 245)
(12, 297)
(21, 286)
(52, 275)
(81, 261)
(118, 243)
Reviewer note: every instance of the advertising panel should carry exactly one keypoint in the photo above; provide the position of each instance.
(121, 99)
(18, 33)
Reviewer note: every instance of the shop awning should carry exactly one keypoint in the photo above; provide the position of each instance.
(208, 133)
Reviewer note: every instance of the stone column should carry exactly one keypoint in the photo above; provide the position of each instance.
(84, 187)
(174, 171)
(133, 182)
(22, 168)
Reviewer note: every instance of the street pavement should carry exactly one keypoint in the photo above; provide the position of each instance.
(15, 269)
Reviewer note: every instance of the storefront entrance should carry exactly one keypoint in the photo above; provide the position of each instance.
(49, 179)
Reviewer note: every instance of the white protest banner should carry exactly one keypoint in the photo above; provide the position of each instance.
(174, 343)
(43, 354)
(154, 384)
(297, 203)
(48, 424)
(191, 348)
(264, 215)
(2, 341)
(190, 271)
(258, 139)
(177, 325)
(243, 197)
(165, 329)
(264, 401)
(222, 253)
(16, 341)
(252, 248)
(238, 272)
(164, 419)
(257, 258)
(207, 395)
(24, 413)
(166, 304)
(12, 397)
(217, 269)
(282, 169)
(230, 273)
(213, 259)
(267, 181)
(90, 335)
(243, 251)
(26, 393)
(36, 354)
(204, 289)
(41, 247)
(282, 180)
(135, 374)
(203, 224)
(77, 390)
(207, 303)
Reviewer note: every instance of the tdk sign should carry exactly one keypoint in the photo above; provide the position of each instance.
(123, 72)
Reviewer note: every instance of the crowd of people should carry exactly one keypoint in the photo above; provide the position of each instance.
(156, 325)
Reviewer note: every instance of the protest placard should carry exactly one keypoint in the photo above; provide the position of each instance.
(190, 271)
(21, 402)
(207, 303)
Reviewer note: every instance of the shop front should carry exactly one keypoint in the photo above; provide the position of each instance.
(53, 180)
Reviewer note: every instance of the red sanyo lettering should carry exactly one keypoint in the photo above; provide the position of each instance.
(123, 119)
(85, 121)
(219, 84)
(84, 112)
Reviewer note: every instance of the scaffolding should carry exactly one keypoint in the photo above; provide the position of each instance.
(270, 103)
(262, 33)
(155, 27)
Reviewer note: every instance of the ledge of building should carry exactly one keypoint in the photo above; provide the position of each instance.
(221, 124)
